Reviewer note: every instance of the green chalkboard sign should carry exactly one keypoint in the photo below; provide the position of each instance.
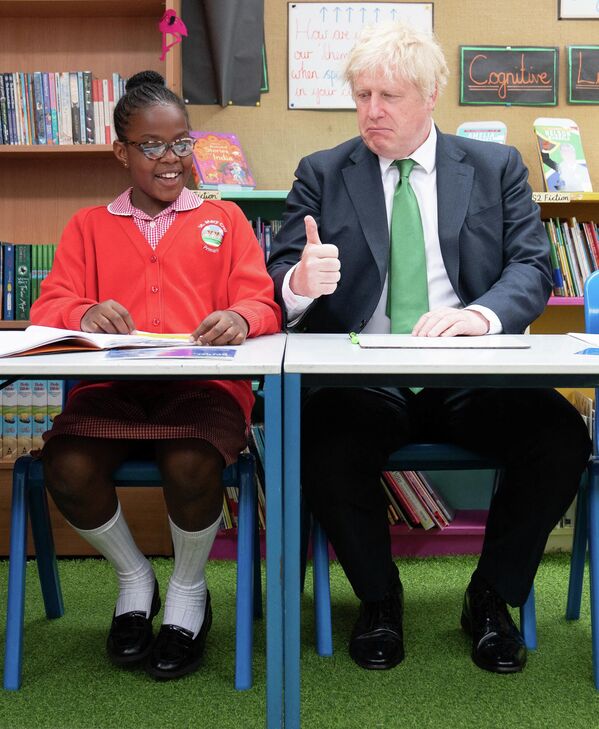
(583, 74)
(508, 75)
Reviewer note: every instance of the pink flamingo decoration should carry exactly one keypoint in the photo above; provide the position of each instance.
(171, 25)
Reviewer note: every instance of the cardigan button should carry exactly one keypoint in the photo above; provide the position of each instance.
(153, 259)
(154, 289)
(155, 322)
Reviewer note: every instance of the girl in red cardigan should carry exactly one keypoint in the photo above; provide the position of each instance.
(156, 259)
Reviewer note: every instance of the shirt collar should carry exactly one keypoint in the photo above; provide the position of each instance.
(423, 155)
(122, 205)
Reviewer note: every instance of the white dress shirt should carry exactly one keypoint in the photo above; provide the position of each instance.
(423, 180)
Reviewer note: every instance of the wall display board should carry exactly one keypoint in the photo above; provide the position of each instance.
(320, 36)
(583, 74)
(508, 75)
(579, 9)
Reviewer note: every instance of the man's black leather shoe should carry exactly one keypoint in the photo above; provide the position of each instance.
(130, 637)
(175, 652)
(377, 638)
(497, 644)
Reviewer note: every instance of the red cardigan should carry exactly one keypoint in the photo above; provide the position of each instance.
(208, 260)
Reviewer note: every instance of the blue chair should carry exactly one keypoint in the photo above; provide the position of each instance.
(411, 457)
(29, 496)
(586, 525)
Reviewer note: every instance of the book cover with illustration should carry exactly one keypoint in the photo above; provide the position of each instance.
(561, 154)
(486, 131)
(219, 162)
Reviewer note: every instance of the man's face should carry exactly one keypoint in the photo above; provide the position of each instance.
(393, 118)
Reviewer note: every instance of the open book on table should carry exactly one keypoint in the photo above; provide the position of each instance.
(406, 341)
(50, 340)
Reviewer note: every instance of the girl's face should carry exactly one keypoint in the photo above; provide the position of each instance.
(156, 182)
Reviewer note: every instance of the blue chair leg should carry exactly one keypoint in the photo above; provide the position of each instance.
(246, 526)
(322, 591)
(16, 578)
(593, 522)
(257, 570)
(579, 551)
(305, 527)
(44, 543)
(528, 621)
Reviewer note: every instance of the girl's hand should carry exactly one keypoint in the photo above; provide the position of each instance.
(221, 327)
(108, 317)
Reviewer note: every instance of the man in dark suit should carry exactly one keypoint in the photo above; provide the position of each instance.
(487, 271)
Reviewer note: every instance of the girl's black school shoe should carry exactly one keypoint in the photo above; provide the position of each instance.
(175, 652)
(130, 637)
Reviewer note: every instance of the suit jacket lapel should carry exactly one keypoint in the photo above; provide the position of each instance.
(454, 184)
(365, 188)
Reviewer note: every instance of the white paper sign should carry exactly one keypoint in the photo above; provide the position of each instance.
(320, 38)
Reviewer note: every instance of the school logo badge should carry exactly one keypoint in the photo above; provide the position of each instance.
(212, 233)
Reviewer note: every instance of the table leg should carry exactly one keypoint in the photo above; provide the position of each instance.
(274, 541)
(291, 548)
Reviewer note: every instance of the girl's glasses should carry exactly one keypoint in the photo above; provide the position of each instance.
(155, 150)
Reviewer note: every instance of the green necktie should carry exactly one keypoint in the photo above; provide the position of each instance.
(408, 290)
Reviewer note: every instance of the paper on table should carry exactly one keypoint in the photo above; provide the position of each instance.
(405, 341)
(589, 338)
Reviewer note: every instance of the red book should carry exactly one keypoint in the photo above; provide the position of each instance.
(219, 162)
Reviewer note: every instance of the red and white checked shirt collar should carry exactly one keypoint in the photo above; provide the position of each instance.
(153, 229)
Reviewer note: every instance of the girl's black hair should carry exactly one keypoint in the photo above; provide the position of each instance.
(146, 88)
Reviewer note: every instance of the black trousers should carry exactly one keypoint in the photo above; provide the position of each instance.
(348, 434)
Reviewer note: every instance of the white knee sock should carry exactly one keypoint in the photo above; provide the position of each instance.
(186, 596)
(135, 574)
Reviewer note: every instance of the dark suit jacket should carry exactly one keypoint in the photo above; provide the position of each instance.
(493, 242)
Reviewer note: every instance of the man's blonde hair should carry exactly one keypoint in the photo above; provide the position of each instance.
(397, 49)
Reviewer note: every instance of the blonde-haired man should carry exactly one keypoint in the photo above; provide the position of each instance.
(470, 258)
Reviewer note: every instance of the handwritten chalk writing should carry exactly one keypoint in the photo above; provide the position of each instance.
(492, 75)
(501, 80)
(582, 81)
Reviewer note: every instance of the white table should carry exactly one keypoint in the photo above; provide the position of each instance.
(331, 359)
(260, 357)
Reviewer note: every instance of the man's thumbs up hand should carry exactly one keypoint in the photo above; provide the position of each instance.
(317, 273)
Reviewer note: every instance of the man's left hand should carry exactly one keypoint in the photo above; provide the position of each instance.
(448, 322)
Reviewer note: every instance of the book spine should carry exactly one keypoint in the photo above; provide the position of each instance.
(11, 108)
(107, 116)
(9, 422)
(52, 79)
(31, 112)
(24, 108)
(3, 112)
(47, 108)
(24, 417)
(40, 121)
(16, 84)
(75, 113)
(398, 489)
(8, 301)
(22, 281)
(64, 114)
(90, 129)
(81, 92)
(39, 412)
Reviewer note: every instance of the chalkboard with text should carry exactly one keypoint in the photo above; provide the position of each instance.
(508, 75)
(320, 37)
(583, 74)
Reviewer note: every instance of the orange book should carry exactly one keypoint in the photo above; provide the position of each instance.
(219, 162)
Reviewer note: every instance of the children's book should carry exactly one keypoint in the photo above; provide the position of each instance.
(189, 352)
(486, 131)
(562, 158)
(219, 162)
(50, 340)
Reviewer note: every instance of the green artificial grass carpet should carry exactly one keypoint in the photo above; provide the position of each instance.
(69, 682)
